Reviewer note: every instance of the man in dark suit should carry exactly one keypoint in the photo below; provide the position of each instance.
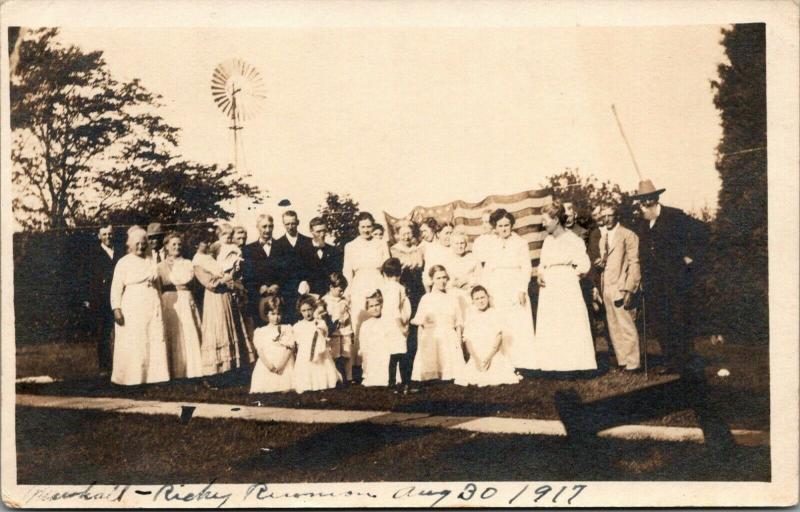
(322, 259)
(291, 251)
(101, 261)
(670, 247)
(259, 268)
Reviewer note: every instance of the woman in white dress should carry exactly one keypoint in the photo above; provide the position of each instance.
(563, 337)
(506, 274)
(140, 350)
(274, 369)
(463, 268)
(181, 318)
(437, 252)
(487, 365)
(439, 354)
(363, 258)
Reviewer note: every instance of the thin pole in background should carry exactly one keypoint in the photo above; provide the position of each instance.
(627, 144)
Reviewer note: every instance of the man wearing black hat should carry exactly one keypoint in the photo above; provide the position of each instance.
(670, 246)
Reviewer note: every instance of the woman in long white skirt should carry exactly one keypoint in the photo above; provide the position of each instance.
(563, 336)
(363, 258)
(483, 336)
(506, 274)
(140, 350)
(181, 317)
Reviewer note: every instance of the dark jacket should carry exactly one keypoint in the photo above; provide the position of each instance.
(100, 269)
(293, 263)
(663, 247)
(319, 267)
(258, 269)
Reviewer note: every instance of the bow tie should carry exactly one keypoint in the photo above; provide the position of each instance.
(268, 242)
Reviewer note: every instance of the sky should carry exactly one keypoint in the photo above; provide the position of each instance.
(405, 116)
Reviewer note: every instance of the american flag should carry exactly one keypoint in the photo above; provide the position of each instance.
(526, 207)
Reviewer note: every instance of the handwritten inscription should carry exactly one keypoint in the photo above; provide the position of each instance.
(171, 492)
(89, 494)
(431, 495)
(263, 492)
(472, 492)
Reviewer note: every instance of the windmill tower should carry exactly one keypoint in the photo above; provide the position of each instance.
(238, 90)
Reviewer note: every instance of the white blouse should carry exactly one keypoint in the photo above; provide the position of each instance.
(131, 270)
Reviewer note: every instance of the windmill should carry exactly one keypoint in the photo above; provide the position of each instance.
(238, 90)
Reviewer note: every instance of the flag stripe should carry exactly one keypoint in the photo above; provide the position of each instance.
(526, 207)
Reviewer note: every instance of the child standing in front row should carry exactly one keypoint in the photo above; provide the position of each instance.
(397, 308)
(314, 368)
(383, 335)
(342, 333)
(274, 344)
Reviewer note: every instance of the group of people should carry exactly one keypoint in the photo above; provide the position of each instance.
(303, 315)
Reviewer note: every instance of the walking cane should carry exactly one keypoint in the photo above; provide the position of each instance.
(643, 341)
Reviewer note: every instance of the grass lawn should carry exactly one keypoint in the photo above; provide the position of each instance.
(78, 447)
(741, 399)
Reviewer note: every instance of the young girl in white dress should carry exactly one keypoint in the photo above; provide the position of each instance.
(487, 365)
(314, 368)
(563, 336)
(274, 344)
(439, 353)
(376, 333)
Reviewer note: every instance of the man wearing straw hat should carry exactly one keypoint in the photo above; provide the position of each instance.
(669, 243)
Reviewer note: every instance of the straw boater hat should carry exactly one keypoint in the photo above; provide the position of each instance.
(154, 229)
(647, 191)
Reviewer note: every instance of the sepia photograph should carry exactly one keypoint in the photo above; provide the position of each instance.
(432, 254)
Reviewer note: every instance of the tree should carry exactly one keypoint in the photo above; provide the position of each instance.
(584, 193)
(87, 146)
(738, 280)
(339, 213)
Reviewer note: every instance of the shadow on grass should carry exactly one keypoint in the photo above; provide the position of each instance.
(78, 447)
(336, 447)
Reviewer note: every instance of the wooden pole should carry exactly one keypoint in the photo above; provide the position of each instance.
(627, 144)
